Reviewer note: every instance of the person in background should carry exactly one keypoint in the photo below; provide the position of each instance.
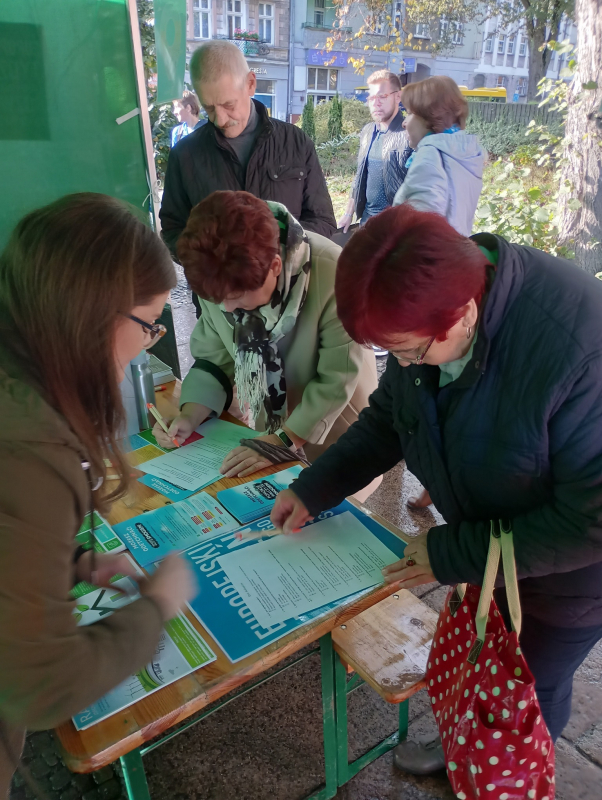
(241, 149)
(81, 284)
(384, 151)
(445, 174)
(269, 328)
(493, 396)
(382, 158)
(187, 112)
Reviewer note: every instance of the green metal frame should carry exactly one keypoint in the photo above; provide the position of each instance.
(335, 689)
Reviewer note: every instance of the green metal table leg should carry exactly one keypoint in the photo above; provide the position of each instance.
(404, 717)
(340, 684)
(133, 774)
(327, 656)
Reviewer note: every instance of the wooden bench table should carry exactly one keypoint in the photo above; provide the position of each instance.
(125, 735)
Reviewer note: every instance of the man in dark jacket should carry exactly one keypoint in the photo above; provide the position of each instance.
(384, 150)
(514, 433)
(241, 149)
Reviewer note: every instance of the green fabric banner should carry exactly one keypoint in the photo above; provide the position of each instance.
(170, 40)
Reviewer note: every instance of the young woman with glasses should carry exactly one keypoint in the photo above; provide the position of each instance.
(82, 282)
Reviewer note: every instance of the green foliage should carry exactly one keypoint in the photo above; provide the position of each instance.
(339, 156)
(335, 118)
(499, 137)
(308, 125)
(512, 206)
(355, 116)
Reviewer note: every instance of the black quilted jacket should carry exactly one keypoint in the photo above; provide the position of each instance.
(517, 436)
(283, 167)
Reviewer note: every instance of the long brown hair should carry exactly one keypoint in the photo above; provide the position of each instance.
(69, 271)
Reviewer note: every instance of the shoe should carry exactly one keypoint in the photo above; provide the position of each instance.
(379, 352)
(422, 501)
(419, 758)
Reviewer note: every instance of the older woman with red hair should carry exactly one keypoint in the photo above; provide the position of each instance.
(269, 330)
(493, 396)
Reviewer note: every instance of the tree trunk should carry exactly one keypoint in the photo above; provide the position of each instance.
(538, 59)
(582, 229)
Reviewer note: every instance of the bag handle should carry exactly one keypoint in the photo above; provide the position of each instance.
(500, 542)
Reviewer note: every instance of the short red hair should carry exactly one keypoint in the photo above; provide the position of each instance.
(406, 271)
(228, 245)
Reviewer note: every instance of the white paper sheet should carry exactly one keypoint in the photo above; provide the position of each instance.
(290, 575)
(190, 467)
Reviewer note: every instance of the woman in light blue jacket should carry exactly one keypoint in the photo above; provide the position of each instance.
(446, 170)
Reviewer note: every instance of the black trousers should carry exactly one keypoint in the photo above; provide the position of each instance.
(553, 655)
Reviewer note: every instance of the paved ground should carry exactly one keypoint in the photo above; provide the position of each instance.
(267, 745)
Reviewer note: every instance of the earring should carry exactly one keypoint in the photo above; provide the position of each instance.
(468, 332)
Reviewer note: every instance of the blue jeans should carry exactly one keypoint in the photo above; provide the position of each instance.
(553, 655)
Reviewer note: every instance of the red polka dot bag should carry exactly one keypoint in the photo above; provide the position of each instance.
(496, 744)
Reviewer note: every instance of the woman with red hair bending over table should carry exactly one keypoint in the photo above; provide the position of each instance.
(493, 396)
(268, 331)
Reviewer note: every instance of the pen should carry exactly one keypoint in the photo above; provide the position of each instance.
(160, 388)
(160, 420)
(248, 535)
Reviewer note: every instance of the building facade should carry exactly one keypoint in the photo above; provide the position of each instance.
(504, 58)
(260, 30)
(320, 75)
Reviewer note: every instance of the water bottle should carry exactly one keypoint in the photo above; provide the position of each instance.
(144, 389)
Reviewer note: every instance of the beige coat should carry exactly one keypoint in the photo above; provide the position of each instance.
(328, 376)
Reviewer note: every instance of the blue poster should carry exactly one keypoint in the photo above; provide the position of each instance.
(222, 610)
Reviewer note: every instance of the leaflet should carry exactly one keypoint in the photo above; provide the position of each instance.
(290, 575)
(255, 499)
(164, 487)
(149, 537)
(105, 540)
(180, 651)
(191, 467)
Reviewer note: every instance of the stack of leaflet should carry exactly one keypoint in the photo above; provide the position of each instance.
(180, 651)
(162, 373)
(105, 540)
(253, 500)
(150, 536)
(197, 465)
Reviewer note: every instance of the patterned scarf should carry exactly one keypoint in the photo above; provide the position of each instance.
(258, 367)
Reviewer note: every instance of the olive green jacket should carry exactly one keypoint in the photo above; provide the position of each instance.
(328, 376)
(49, 668)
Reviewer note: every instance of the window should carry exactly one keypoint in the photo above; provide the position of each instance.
(458, 34)
(201, 19)
(322, 83)
(521, 87)
(266, 22)
(398, 16)
(265, 87)
(443, 27)
(234, 17)
(522, 48)
(422, 31)
(501, 44)
(379, 24)
(319, 13)
(511, 45)
(489, 44)
(501, 81)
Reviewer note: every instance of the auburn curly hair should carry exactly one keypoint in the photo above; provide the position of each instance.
(228, 245)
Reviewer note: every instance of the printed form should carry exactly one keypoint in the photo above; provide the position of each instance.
(290, 575)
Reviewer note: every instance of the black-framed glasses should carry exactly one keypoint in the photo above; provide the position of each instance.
(419, 359)
(152, 329)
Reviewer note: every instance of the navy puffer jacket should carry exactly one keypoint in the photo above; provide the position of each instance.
(517, 436)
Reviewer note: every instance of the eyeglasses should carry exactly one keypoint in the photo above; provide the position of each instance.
(380, 97)
(419, 359)
(152, 330)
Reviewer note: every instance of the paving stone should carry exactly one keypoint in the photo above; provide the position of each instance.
(102, 775)
(72, 793)
(587, 709)
(41, 742)
(38, 767)
(111, 790)
(590, 744)
(82, 782)
(576, 777)
(60, 779)
(91, 795)
(50, 757)
(591, 669)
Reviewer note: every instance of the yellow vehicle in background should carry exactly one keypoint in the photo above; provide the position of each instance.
(495, 95)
